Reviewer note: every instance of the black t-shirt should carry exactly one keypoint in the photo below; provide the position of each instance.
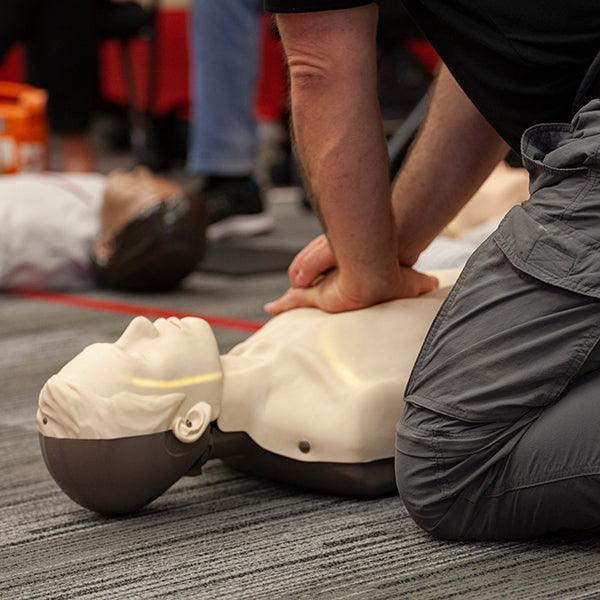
(520, 61)
(290, 6)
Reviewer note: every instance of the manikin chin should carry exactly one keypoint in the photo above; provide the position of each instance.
(311, 399)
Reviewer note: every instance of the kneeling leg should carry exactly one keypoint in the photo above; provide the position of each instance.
(548, 481)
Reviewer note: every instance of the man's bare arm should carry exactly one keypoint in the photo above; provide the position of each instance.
(338, 129)
(453, 155)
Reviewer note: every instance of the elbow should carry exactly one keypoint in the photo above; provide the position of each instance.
(328, 47)
(312, 72)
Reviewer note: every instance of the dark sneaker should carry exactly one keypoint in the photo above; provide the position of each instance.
(235, 208)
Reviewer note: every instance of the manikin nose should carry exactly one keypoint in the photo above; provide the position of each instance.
(140, 327)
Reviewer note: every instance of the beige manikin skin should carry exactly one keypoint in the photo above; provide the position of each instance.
(333, 380)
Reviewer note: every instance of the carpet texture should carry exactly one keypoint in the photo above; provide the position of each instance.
(224, 534)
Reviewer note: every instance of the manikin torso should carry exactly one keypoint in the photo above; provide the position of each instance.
(334, 381)
(309, 386)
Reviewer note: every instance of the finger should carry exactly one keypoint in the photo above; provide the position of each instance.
(293, 298)
(419, 283)
(307, 261)
(295, 265)
(316, 264)
(313, 264)
(433, 283)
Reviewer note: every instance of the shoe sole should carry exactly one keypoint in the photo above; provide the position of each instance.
(240, 226)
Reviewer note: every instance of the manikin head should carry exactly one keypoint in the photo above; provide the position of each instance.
(121, 422)
(151, 232)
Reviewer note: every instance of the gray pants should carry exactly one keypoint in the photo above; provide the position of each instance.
(500, 438)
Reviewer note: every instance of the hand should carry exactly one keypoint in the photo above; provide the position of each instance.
(313, 261)
(317, 258)
(335, 294)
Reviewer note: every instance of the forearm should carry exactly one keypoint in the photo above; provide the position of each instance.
(338, 130)
(454, 153)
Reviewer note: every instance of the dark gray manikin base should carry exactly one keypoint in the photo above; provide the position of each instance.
(120, 476)
(363, 480)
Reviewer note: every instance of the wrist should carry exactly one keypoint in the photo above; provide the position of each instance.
(408, 251)
(407, 245)
(369, 283)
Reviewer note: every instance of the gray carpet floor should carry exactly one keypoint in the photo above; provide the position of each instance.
(224, 534)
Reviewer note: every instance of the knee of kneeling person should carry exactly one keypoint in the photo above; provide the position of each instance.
(418, 489)
(426, 502)
(422, 480)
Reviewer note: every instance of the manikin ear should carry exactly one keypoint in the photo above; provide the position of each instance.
(193, 424)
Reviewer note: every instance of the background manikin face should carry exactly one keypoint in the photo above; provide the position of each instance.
(126, 196)
(154, 378)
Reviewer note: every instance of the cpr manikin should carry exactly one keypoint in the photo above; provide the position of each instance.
(311, 399)
(129, 230)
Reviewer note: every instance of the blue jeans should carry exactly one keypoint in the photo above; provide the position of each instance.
(225, 43)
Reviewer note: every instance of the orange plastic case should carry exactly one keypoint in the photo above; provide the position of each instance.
(23, 128)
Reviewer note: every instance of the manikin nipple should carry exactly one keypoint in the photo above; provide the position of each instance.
(193, 424)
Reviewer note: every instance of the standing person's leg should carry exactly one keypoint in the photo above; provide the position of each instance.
(62, 58)
(225, 44)
(225, 40)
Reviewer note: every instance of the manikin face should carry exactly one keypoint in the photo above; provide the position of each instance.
(155, 377)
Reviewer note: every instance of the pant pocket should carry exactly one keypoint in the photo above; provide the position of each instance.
(510, 337)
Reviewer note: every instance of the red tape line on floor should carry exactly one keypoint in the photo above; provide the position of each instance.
(135, 309)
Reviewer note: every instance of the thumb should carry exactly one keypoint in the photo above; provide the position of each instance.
(293, 298)
(417, 283)
(316, 260)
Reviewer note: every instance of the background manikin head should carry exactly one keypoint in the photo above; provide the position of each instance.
(127, 194)
(152, 234)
